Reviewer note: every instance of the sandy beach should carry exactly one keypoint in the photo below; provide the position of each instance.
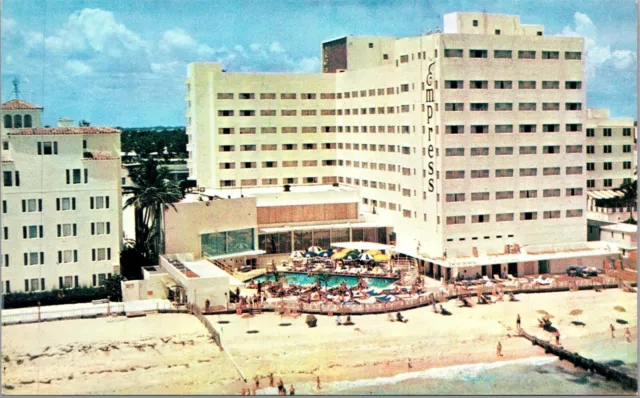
(171, 353)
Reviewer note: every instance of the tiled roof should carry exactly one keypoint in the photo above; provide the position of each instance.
(19, 104)
(63, 131)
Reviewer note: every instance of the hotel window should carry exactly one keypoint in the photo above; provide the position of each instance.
(626, 132)
(528, 150)
(268, 112)
(227, 183)
(247, 148)
(225, 113)
(372, 92)
(529, 194)
(503, 106)
(608, 166)
(227, 166)
(477, 53)
(476, 107)
(477, 196)
(570, 170)
(574, 148)
(591, 183)
(68, 230)
(100, 228)
(606, 132)
(309, 146)
(309, 163)
(573, 106)
(454, 152)
(31, 205)
(288, 96)
(381, 148)
(550, 106)
(390, 91)
(288, 112)
(226, 148)
(497, 31)
(404, 88)
(36, 285)
(574, 192)
(591, 166)
(551, 149)
(504, 150)
(573, 85)
(32, 232)
(626, 148)
(453, 53)
(454, 107)
(551, 214)
(504, 128)
(100, 254)
(607, 182)
(528, 172)
(573, 127)
(307, 130)
(456, 84)
(33, 258)
(248, 165)
(246, 96)
(550, 128)
(308, 96)
(269, 181)
(454, 174)
(455, 197)
(269, 147)
(479, 173)
(225, 131)
(504, 173)
(500, 195)
(267, 96)
(573, 55)
(551, 55)
(64, 204)
(329, 145)
(503, 84)
(252, 182)
(48, 148)
(591, 132)
(526, 54)
(247, 130)
(550, 85)
(591, 149)
(454, 130)
(289, 147)
(313, 112)
(327, 96)
(478, 84)
(528, 215)
(268, 130)
(504, 217)
(290, 163)
(626, 165)
(606, 148)
(403, 109)
(480, 218)
(574, 213)
(480, 151)
(528, 128)
(502, 54)
(289, 130)
(527, 106)
(225, 95)
(551, 193)
(551, 171)
(526, 84)
(404, 59)
(451, 220)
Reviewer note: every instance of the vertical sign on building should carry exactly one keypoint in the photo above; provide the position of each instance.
(430, 133)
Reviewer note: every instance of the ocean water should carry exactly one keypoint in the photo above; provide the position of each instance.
(532, 376)
(335, 280)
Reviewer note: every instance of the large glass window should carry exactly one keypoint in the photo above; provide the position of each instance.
(340, 235)
(321, 238)
(275, 243)
(302, 240)
(227, 242)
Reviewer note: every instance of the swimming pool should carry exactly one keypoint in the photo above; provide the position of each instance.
(301, 278)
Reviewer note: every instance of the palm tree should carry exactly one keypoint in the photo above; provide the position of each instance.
(324, 279)
(630, 190)
(153, 193)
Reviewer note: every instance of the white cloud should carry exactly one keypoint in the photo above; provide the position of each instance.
(276, 48)
(8, 25)
(597, 55)
(78, 68)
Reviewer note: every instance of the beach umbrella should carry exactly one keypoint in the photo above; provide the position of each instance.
(325, 253)
(314, 249)
(374, 252)
(352, 255)
(296, 254)
(310, 254)
(366, 257)
(381, 257)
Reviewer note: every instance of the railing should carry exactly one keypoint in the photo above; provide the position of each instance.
(221, 265)
(195, 310)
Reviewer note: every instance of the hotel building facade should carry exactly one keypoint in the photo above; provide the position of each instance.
(61, 207)
(470, 143)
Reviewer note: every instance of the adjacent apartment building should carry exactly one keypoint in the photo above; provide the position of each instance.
(61, 207)
(470, 141)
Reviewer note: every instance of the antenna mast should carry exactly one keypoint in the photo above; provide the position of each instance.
(16, 87)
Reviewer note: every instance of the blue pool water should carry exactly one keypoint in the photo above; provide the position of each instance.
(335, 280)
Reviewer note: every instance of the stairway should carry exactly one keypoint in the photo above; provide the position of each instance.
(412, 273)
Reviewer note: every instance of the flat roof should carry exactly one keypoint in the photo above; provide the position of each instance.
(322, 226)
(621, 227)
(205, 269)
(236, 255)
(63, 131)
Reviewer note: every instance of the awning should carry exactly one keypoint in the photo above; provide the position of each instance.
(319, 227)
(363, 246)
(235, 255)
(605, 194)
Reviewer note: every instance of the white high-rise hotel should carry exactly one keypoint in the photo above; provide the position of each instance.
(465, 141)
(61, 202)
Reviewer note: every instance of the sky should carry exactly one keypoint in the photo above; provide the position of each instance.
(123, 63)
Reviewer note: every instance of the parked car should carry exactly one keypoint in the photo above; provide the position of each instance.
(590, 271)
(574, 271)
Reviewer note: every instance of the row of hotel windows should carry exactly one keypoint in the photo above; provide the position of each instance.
(527, 150)
(508, 54)
(508, 128)
(64, 282)
(62, 204)
(508, 106)
(45, 147)
(64, 230)
(508, 84)
(274, 181)
(273, 164)
(73, 176)
(16, 121)
(524, 216)
(523, 172)
(64, 257)
(606, 182)
(607, 132)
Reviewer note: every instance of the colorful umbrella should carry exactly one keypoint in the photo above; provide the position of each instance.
(310, 254)
(366, 257)
(325, 253)
(296, 254)
(314, 249)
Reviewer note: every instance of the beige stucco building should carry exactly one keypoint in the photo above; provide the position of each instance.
(61, 208)
(469, 142)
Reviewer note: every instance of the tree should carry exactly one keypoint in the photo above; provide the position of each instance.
(630, 198)
(324, 279)
(114, 287)
(153, 192)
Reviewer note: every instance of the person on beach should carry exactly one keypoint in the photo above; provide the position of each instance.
(409, 363)
(243, 391)
(557, 338)
(257, 380)
(627, 334)
(338, 320)
(518, 322)
(281, 389)
(499, 349)
(613, 331)
(318, 382)
(292, 391)
(271, 379)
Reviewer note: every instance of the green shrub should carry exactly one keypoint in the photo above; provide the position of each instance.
(54, 297)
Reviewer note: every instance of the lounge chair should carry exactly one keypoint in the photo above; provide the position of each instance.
(511, 278)
(497, 277)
